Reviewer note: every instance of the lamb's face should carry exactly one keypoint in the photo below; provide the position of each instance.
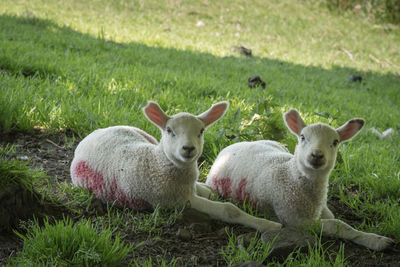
(183, 139)
(317, 147)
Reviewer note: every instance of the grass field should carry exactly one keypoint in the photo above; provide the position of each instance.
(70, 67)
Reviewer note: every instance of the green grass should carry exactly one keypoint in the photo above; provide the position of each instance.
(17, 171)
(259, 251)
(70, 244)
(256, 250)
(317, 256)
(76, 66)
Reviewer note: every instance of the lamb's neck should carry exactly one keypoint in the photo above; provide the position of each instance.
(312, 180)
(174, 168)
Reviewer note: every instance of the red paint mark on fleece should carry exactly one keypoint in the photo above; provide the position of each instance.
(94, 181)
(116, 194)
(90, 179)
(243, 196)
(223, 186)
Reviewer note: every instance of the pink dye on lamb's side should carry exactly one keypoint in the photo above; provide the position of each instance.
(94, 182)
(241, 194)
(90, 178)
(116, 194)
(223, 186)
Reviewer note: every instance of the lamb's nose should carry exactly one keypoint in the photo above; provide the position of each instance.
(318, 155)
(188, 149)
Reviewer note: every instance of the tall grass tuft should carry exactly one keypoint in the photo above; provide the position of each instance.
(257, 250)
(69, 244)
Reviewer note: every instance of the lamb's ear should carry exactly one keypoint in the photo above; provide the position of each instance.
(214, 113)
(294, 121)
(155, 114)
(350, 129)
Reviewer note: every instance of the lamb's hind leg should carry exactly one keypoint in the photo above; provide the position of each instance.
(228, 212)
(338, 228)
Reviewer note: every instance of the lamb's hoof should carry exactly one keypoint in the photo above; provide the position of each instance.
(375, 242)
(381, 243)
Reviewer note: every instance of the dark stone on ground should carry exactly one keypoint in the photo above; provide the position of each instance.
(242, 50)
(184, 234)
(354, 78)
(255, 81)
(286, 240)
(190, 216)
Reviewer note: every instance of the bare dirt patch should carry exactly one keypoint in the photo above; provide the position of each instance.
(195, 241)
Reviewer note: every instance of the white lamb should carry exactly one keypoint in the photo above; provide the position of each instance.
(127, 166)
(294, 187)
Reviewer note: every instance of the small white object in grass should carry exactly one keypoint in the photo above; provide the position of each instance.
(24, 158)
(385, 134)
(200, 23)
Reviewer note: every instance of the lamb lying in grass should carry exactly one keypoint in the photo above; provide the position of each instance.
(127, 166)
(294, 187)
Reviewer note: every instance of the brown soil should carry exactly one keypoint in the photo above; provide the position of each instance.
(203, 240)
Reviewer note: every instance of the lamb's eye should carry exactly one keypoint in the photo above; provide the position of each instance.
(302, 138)
(201, 133)
(336, 142)
(169, 131)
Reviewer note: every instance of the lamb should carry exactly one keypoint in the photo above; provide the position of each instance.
(127, 166)
(293, 187)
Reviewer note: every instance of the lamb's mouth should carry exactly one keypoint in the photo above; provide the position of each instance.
(316, 164)
(188, 157)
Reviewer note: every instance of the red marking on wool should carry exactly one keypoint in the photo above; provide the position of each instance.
(223, 186)
(117, 194)
(94, 181)
(90, 178)
(242, 195)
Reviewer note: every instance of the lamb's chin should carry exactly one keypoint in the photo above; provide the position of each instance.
(184, 159)
(307, 166)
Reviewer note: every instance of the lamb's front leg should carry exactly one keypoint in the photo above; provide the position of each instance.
(204, 190)
(228, 212)
(338, 228)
